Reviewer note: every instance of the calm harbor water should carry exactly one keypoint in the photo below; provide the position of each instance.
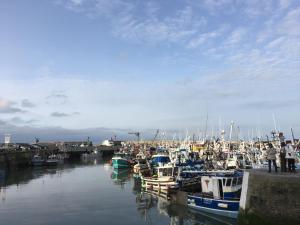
(87, 193)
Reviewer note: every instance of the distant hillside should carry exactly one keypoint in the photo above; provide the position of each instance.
(97, 135)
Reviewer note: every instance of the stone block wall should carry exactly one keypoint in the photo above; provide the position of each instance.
(270, 198)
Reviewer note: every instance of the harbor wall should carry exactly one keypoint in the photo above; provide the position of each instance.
(13, 160)
(179, 198)
(270, 198)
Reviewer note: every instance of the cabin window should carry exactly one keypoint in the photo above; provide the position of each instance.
(234, 181)
(224, 180)
(240, 181)
(175, 172)
(228, 182)
(166, 172)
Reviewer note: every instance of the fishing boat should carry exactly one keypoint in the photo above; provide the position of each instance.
(160, 159)
(54, 160)
(220, 194)
(121, 161)
(189, 176)
(141, 167)
(163, 180)
(37, 160)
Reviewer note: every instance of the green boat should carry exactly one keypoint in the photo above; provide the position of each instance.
(121, 161)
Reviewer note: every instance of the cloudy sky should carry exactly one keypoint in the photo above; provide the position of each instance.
(78, 64)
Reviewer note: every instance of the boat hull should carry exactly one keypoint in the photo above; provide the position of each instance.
(140, 168)
(38, 163)
(215, 206)
(120, 164)
(51, 162)
(159, 184)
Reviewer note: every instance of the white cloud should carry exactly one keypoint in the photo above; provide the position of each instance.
(258, 56)
(62, 114)
(140, 21)
(27, 104)
(202, 38)
(290, 24)
(20, 121)
(9, 107)
(236, 36)
(284, 4)
(175, 29)
(77, 2)
(256, 8)
(152, 9)
(275, 43)
(215, 7)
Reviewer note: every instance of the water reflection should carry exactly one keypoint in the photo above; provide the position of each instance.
(2, 176)
(23, 176)
(121, 176)
(88, 192)
(179, 215)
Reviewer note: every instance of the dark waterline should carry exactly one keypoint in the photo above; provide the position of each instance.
(86, 193)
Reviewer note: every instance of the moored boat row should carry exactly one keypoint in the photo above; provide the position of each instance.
(211, 173)
(51, 160)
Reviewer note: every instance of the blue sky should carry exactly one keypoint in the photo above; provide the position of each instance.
(150, 64)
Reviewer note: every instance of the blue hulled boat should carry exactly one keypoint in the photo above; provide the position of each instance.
(220, 194)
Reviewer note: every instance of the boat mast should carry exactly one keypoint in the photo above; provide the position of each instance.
(293, 135)
(274, 121)
(230, 134)
(205, 132)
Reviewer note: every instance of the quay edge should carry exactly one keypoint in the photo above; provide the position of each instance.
(266, 199)
(13, 160)
(270, 198)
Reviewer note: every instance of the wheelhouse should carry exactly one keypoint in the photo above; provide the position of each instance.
(222, 187)
(159, 160)
(166, 171)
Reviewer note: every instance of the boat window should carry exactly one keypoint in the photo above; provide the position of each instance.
(224, 180)
(228, 183)
(240, 157)
(175, 171)
(234, 181)
(240, 181)
(166, 171)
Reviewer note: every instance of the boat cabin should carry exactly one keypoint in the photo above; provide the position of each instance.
(166, 171)
(222, 187)
(160, 159)
(120, 155)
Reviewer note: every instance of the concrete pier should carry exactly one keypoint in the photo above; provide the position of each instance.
(270, 198)
(13, 159)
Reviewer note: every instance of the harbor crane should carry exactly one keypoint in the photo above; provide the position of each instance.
(136, 134)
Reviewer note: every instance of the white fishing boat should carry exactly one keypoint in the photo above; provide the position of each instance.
(37, 160)
(141, 166)
(54, 160)
(163, 180)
